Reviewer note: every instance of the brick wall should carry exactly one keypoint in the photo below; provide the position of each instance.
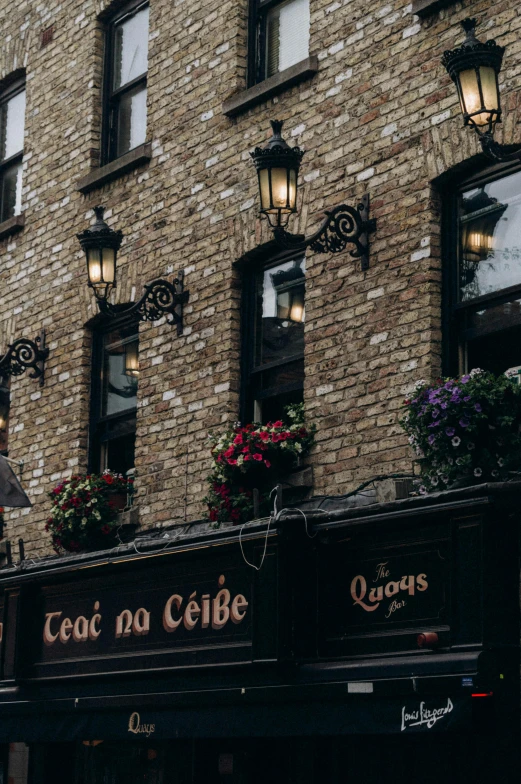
(381, 116)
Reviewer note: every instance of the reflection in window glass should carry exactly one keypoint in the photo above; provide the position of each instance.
(12, 118)
(132, 120)
(131, 49)
(280, 329)
(490, 238)
(119, 385)
(287, 35)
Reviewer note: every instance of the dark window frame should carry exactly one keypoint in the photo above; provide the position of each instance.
(111, 97)
(248, 316)
(451, 306)
(258, 14)
(15, 87)
(99, 424)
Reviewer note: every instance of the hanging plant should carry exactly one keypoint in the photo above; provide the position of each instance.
(254, 456)
(465, 430)
(84, 511)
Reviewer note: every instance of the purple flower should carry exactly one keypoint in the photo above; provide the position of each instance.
(450, 431)
(434, 424)
(465, 379)
(464, 422)
(466, 399)
(478, 408)
(431, 439)
(435, 413)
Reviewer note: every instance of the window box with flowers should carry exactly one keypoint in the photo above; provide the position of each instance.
(465, 430)
(254, 456)
(84, 513)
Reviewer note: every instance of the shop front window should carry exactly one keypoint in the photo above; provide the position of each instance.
(274, 349)
(114, 402)
(484, 286)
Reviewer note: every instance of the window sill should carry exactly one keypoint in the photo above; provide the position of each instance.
(275, 84)
(11, 226)
(425, 8)
(114, 169)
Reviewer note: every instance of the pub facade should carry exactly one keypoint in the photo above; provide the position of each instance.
(170, 266)
(377, 642)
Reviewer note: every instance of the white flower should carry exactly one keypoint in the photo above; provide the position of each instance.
(501, 462)
(298, 446)
(456, 441)
(285, 443)
(478, 472)
(84, 520)
(475, 372)
(422, 490)
(444, 478)
(470, 445)
(434, 480)
(240, 460)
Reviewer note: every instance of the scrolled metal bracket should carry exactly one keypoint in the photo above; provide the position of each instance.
(499, 153)
(25, 354)
(344, 225)
(161, 297)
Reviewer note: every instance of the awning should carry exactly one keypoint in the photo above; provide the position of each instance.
(11, 493)
(357, 715)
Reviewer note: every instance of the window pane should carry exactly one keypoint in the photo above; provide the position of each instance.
(279, 327)
(131, 48)
(490, 238)
(119, 390)
(4, 414)
(11, 197)
(12, 118)
(132, 120)
(287, 35)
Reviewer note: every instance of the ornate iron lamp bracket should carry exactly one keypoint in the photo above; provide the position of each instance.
(344, 225)
(25, 354)
(499, 153)
(161, 297)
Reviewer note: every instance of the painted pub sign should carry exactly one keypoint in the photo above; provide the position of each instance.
(369, 594)
(196, 613)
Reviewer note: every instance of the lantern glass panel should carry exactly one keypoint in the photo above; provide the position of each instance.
(470, 97)
(264, 186)
(109, 265)
(280, 190)
(94, 266)
(490, 89)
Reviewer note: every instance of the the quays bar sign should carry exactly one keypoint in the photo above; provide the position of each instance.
(193, 614)
(397, 588)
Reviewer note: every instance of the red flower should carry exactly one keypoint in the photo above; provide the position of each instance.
(267, 464)
(213, 515)
(245, 449)
(264, 436)
(105, 529)
(247, 457)
(109, 479)
(278, 423)
(229, 452)
(238, 439)
(232, 461)
(257, 456)
(276, 437)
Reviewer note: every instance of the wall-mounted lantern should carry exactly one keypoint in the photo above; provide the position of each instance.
(100, 244)
(277, 167)
(132, 359)
(25, 354)
(474, 68)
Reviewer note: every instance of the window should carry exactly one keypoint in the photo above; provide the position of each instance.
(273, 355)
(12, 120)
(279, 38)
(483, 284)
(115, 372)
(126, 82)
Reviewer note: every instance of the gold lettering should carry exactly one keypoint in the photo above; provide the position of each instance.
(169, 624)
(221, 610)
(80, 631)
(421, 582)
(238, 610)
(141, 622)
(124, 624)
(48, 637)
(65, 630)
